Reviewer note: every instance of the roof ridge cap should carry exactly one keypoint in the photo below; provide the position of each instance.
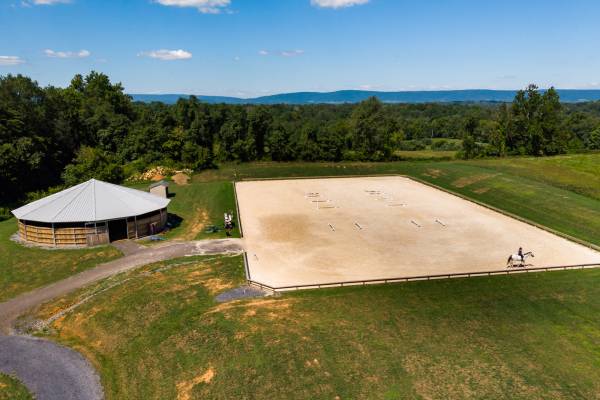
(83, 187)
(126, 189)
(94, 196)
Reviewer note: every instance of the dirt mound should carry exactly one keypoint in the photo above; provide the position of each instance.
(153, 174)
(180, 178)
(159, 172)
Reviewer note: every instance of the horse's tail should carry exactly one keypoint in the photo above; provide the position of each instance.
(507, 261)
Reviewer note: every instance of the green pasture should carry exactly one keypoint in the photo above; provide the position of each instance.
(26, 268)
(161, 335)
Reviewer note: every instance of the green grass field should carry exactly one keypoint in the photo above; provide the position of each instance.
(12, 389)
(425, 154)
(160, 335)
(26, 268)
(200, 205)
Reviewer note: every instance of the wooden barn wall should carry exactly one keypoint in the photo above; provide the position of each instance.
(90, 235)
(144, 223)
(63, 236)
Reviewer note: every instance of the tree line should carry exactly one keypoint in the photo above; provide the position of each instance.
(53, 137)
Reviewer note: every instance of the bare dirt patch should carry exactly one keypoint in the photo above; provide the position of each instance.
(198, 276)
(184, 388)
(197, 224)
(180, 178)
(434, 173)
(469, 180)
(216, 285)
(481, 190)
(253, 306)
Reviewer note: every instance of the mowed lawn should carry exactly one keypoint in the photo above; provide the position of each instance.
(196, 206)
(26, 268)
(562, 193)
(160, 335)
(12, 389)
(200, 205)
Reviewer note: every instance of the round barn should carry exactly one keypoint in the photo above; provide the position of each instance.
(91, 213)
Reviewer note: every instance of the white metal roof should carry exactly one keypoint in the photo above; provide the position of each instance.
(91, 201)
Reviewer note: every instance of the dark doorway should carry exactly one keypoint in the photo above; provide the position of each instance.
(117, 229)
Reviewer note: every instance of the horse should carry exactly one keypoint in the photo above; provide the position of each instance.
(515, 260)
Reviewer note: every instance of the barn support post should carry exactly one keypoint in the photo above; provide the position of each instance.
(25, 228)
(53, 235)
(135, 222)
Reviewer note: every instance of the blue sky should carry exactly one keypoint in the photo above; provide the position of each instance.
(255, 47)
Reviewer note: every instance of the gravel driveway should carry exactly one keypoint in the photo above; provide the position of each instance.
(50, 371)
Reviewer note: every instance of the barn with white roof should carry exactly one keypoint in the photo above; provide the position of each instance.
(91, 213)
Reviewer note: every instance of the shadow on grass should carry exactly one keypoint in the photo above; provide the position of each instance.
(173, 221)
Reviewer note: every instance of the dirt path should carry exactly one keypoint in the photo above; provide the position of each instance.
(51, 371)
(14, 307)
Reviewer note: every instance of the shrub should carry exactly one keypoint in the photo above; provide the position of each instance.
(4, 213)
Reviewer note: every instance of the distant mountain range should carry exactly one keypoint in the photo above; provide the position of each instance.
(354, 96)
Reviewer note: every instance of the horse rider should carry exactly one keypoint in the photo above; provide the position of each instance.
(520, 253)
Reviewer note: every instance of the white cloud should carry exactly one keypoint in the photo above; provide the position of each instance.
(167, 55)
(283, 53)
(67, 54)
(291, 53)
(204, 6)
(337, 3)
(10, 60)
(48, 2)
